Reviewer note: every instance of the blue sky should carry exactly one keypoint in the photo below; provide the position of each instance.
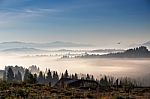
(98, 22)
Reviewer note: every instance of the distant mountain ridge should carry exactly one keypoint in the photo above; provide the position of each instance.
(23, 50)
(16, 44)
(139, 52)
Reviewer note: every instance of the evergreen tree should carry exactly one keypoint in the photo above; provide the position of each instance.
(66, 75)
(49, 76)
(88, 77)
(111, 81)
(18, 76)
(44, 78)
(76, 76)
(31, 79)
(92, 78)
(55, 77)
(62, 75)
(41, 78)
(10, 75)
(26, 75)
(72, 76)
(35, 78)
(104, 82)
(117, 83)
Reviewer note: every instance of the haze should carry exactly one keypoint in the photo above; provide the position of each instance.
(103, 23)
(109, 66)
(79, 25)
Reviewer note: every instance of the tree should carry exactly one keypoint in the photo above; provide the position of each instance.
(35, 78)
(32, 79)
(72, 76)
(26, 75)
(76, 76)
(49, 76)
(92, 78)
(18, 76)
(117, 83)
(29, 78)
(41, 79)
(55, 77)
(62, 75)
(66, 74)
(44, 78)
(10, 75)
(104, 81)
(88, 77)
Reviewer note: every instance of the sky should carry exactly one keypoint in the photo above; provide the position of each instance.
(97, 22)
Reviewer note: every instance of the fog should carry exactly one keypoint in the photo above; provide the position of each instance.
(106, 66)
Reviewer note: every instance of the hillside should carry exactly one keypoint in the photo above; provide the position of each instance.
(16, 44)
(139, 52)
(23, 50)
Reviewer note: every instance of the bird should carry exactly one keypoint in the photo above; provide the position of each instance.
(118, 43)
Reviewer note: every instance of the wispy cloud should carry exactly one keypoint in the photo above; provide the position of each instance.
(11, 16)
(27, 12)
(41, 11)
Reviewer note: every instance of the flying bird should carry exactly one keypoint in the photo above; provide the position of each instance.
(118, 43)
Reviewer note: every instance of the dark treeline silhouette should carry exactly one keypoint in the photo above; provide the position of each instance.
(52, 77)
(13, 74)
(10, 75)
(139, 52)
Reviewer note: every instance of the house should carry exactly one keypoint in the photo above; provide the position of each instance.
(77, 83)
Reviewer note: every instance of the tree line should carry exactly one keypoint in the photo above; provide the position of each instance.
(51, 77)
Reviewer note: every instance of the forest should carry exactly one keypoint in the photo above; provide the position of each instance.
(138, 52)
(19, 82)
